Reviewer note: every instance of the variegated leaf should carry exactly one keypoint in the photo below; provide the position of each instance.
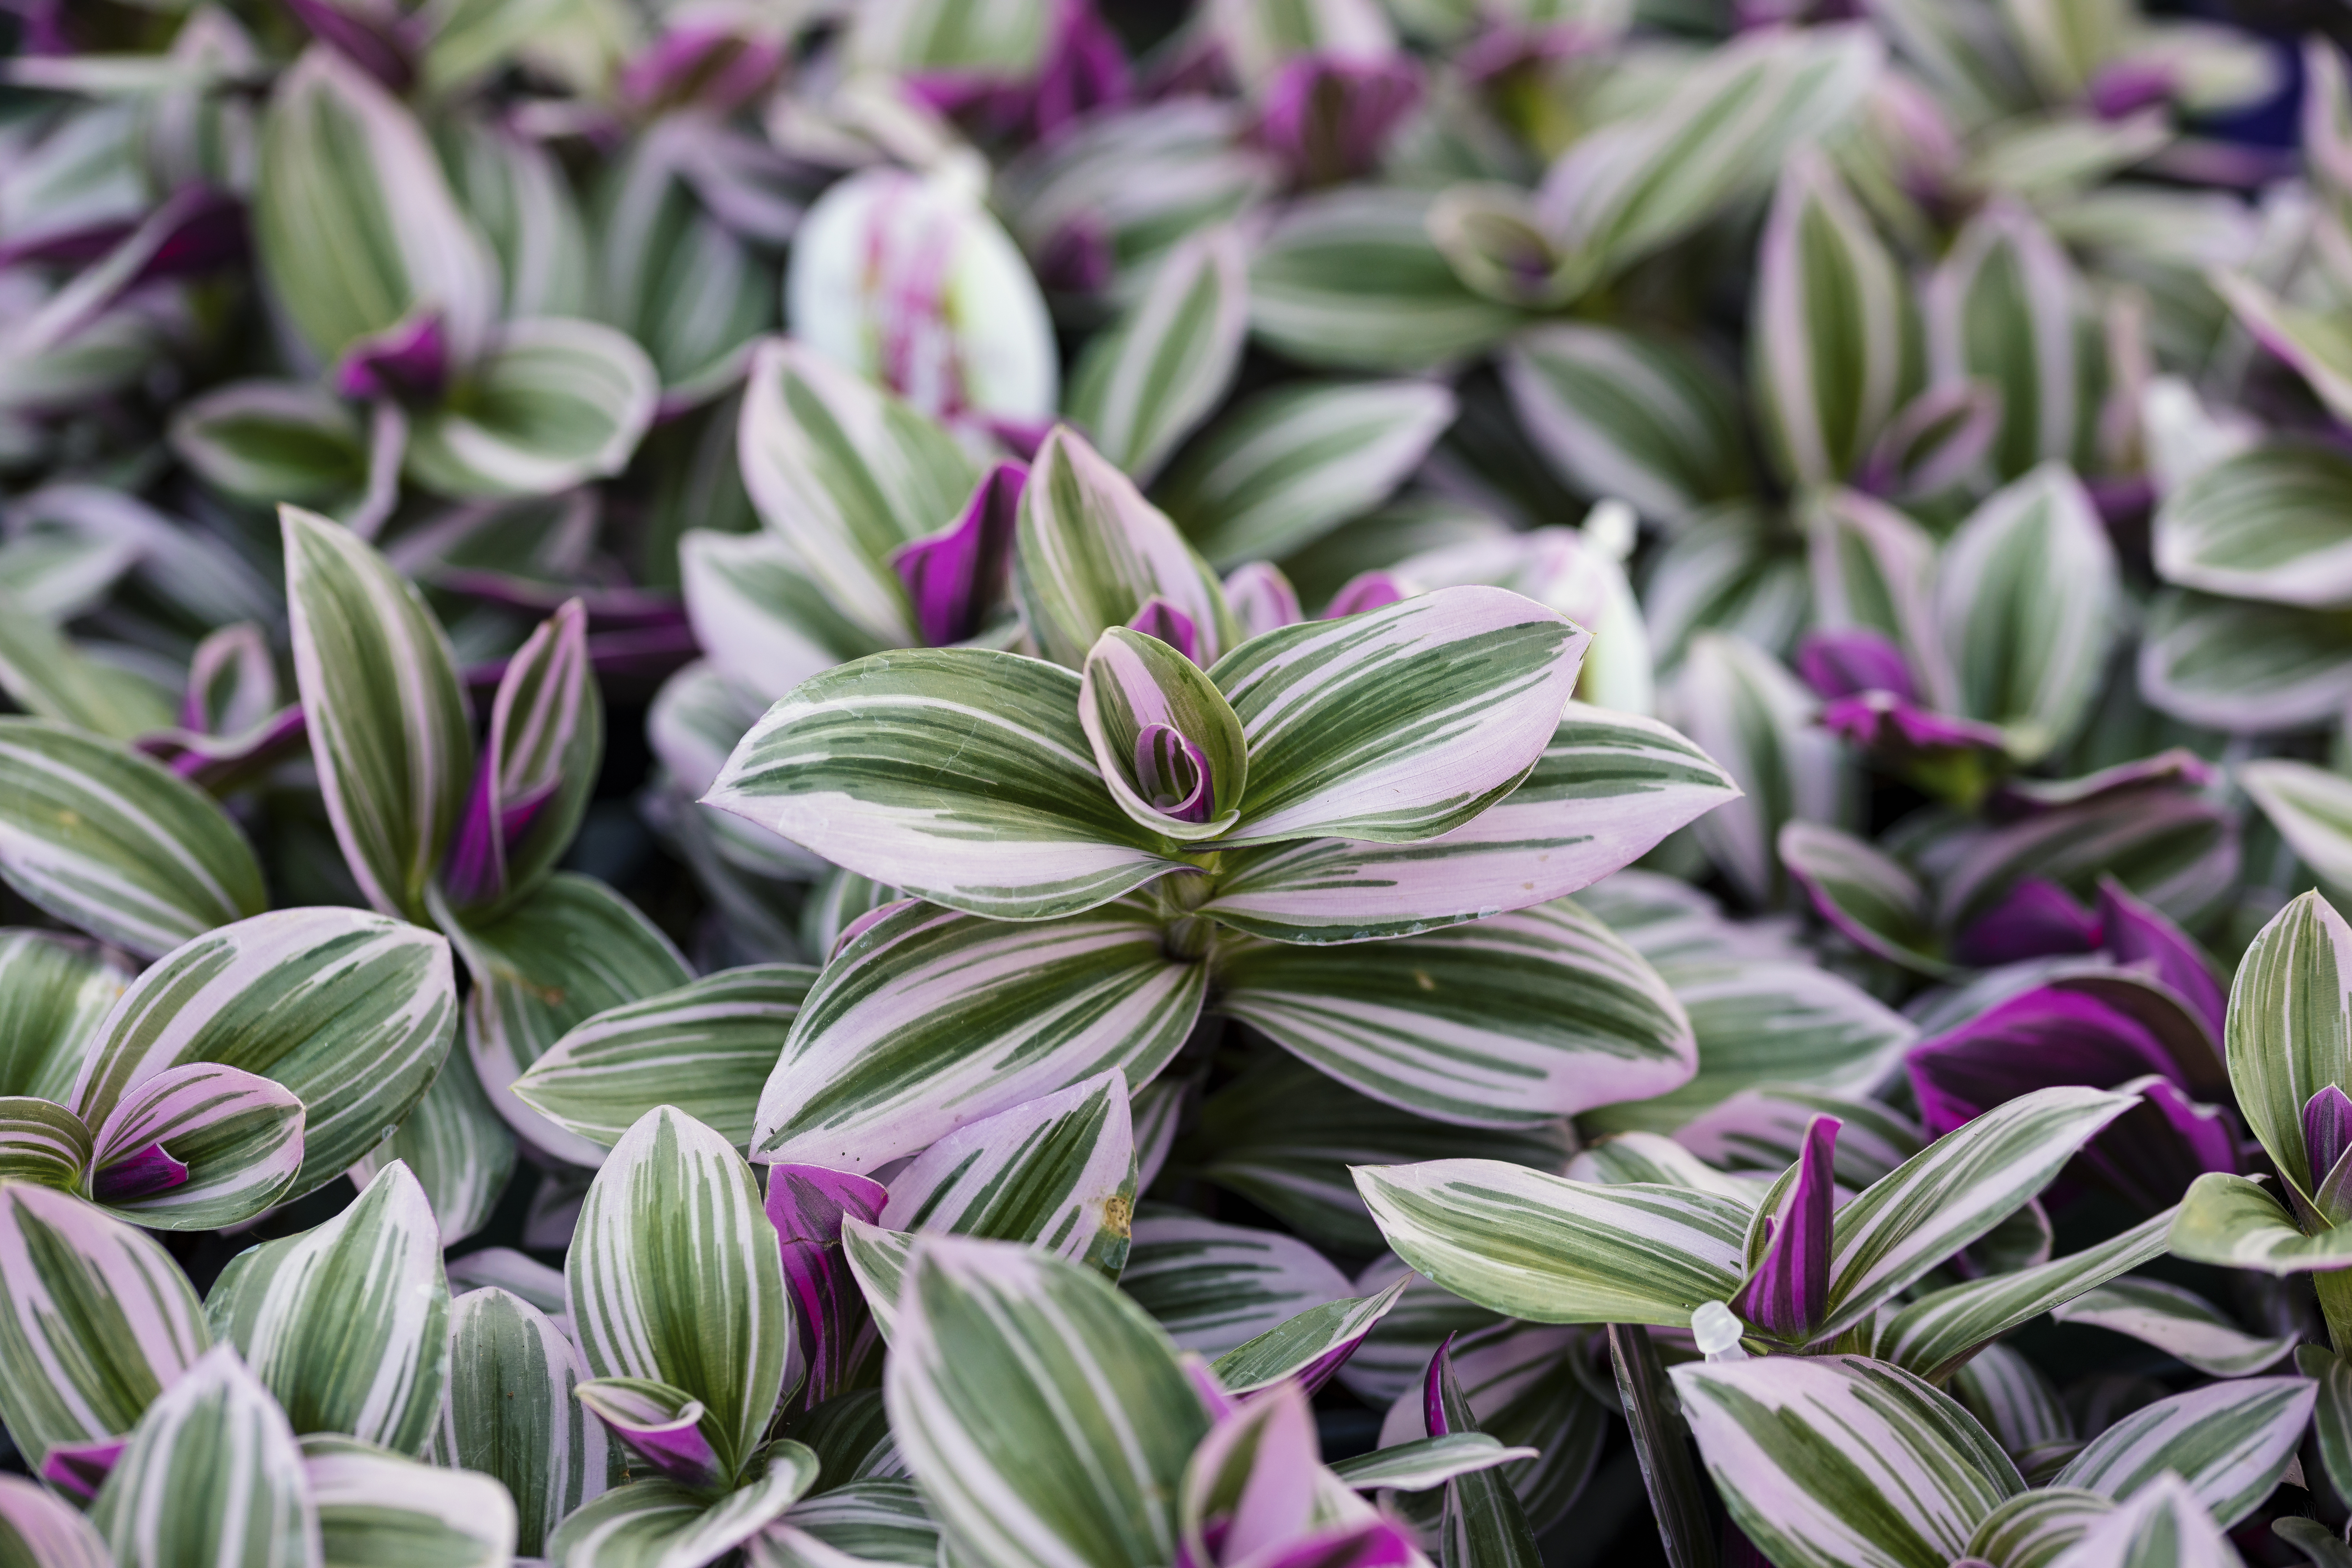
(2235, 1223)
(348, 1324)
(862, 1521)
(2331, 1416)
(878, 1260)
(1470, 684)
(1505, 1022)
(55, 992)
(546, 742)
(960, 774)
(2165, 1523)
(1530, 1387)
(1146, 380)
(706, 1048)
(231, 1142)
(1091, 550)
(763, 618)
(2290, 1028)
(45, 674)
(349, 1011)
(1289, 466)
(2019, 1405)
(2308, 339)
(1390, 1368)
(2311, 807)
(43, 1143)
(456, 1145)
(1869, 897)
(38, 1529)
(2266, 524)
(1743, 707)
(1642, 418)
(1057, 1172)
(846, 474)
(376, 1506)
(658, 1523)
(510, 1411)
(272, 441)
(1843, 1462)
(2032, 1528)
(698, 1306)
(212, 1474)
(1955, 1191)
(1045, 1418)
(2229, 1441)
(388, 722)
(2180, 1322)
(574, 948)
(2244, 666)
(1550, 1250)
(96, 1320)
(1604, 792)
(1216, 1288)
(109, 841)
(2002, 308)
(927, 1020)
(1427, 1462)
(555, 403)
(1310, 1346)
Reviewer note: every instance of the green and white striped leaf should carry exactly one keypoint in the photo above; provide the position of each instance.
(1550, 1250)
(348, 1324)
(1934, 1335)
(1058, 1172)
(2029, 601)
(573, 950)
(43, 1143)
(845, 473)
(388, 722)
(238, 1135)
(877, 1258)
(1530, 1387)
(2310, 341)
(355, 224)
(1394, 1357)
(2311, 806)
(1131, 680)
(2229, 1441)
(869, 1521)
(1643, 418)
(2235, 1223)
(1350, 279)
(1606, 790)
(1741, 707)
(1873, 568)
(766, 624)
(45, 674)
(351, 1011)
(1843, 1462)
(2002, 308)
(272, 441)
(510, 1411)
(1430, 1462)
(1289, 466)
(1504, 1021)
(2331, 1416)
(706, 1048)
(657, 1523)
(2032, 1528)
(1300, 1342)
(2265, 523)
(55, 992)
(96, 1320)
(1468, 685)
(1830, 313)
(212, 1475)
(2244, 666)
(380, 1509)
(2181, 1323)
(927, 1020)
(39, 1530)
(1867, 895)
(555, 403)
(689, 288)
(2289, 1033)
(961, 776)
(1216, 1288)
(2019, 1405)
(674, 1276)
(1045, 1418)
(1649, 1159)
(1145, 381)
(1090, 551)
(1286, 1137)
(1955, 1191)
(2165, 1525)
(109, 841)
(456, 1145)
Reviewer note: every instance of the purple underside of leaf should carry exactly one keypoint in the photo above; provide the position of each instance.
(717, 66)
(477, 854)
(1159, 618)
(2035, 918)
(956, 575)
(1328, 116)
(673, 1444)
(2326, 1131)
(2150, 1153)
(1375, 1543)
(1319, 1371)
(2040, 1039)
(1365, 591)
(1433, 1390)
(1790, 1290)
(2122, 86)
(1881, 721)
(1214, 1398)
(1274, 1509)
(78, 1470)
(1084, 68)
(378, 50)
(1850, 662)
(1172, 774)
(2142, 936)
(141, 1174)
(807, 1204)
(408, 361)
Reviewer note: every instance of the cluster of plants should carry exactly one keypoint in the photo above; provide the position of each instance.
(1352, 783)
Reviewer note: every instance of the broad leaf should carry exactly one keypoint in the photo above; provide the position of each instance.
(456, 1145)
(38, 1529)
(2311, 807)
(2234, 1223)
(55, 992)
(656, 1523)
(1216, 1288)
(376, 1506)
(510, 1410)
(2166, 1523)
(1867, 895)
(1146, 380)
(2230, 1442)
(232, 1144)
(2002, 308)
(2178, 1322)
(2264, 525)
(2242, 666)
(555, 403)
(1640, 417)
(43, 1143)
(2290, 1028)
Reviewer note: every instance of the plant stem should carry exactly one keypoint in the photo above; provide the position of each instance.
(1662, 1444)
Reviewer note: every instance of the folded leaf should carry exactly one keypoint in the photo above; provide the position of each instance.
(959, 774)
(1146, 380)
(348, 1324)
(808, 1207)
(510, 1411)
(661, 1426)
(699, 1307)
(1505, 1022)
(706, 1048)
(1607, 788)
(927, 1020)
(2233, 1222)
(1842, 1461)
(2229, 1441)
(1310, 1346)
(2178, 1322)
(348, 1011)
(107, 840)
(235, 1138)
(871, 1521)
(2290, 1028)
(96, 1320)
(1045, 1418)
(388, 722)
(1554, 1251)
(1169, 748)
(43, 1143)
(546, 742)
(212, 1474)
(655, 1524)
(1216, 1288)
(375, 1505)
(555, 403)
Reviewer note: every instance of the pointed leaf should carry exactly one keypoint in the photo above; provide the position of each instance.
(2264, 524)
(458, 1146)
(2290, 1028)
(761, 616)
(377, 1507)
(1869, 897)
(55, 992)
(510, 1411)
(43, 1143)
(1216, 1288)
(546, 740)
(1619, 414)
(1146, 380)
(2001, 309)
(1310, 1346)
(2312, 809)
(1428, 1462)
(2178, 1322)
(2166, 1523)
(2229, 1441)
(1140, 701)
(2242, 666)
(2235, 1223)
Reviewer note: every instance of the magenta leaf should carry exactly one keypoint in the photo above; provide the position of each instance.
(1262, 598)
(78, 1470)
(2035, 918)
(374, 46)
(1433, 1390)
(660, 1424)
(408, 361)
(1787, 1293)
(1159, 618)
(2326, 1131)
(2141, 935)
(1330, 116)
(1364, 591)
(141, 1174)
(713, 64)
(1172, 773)
(807, 1204)
(957, 576)
(1851, 661)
